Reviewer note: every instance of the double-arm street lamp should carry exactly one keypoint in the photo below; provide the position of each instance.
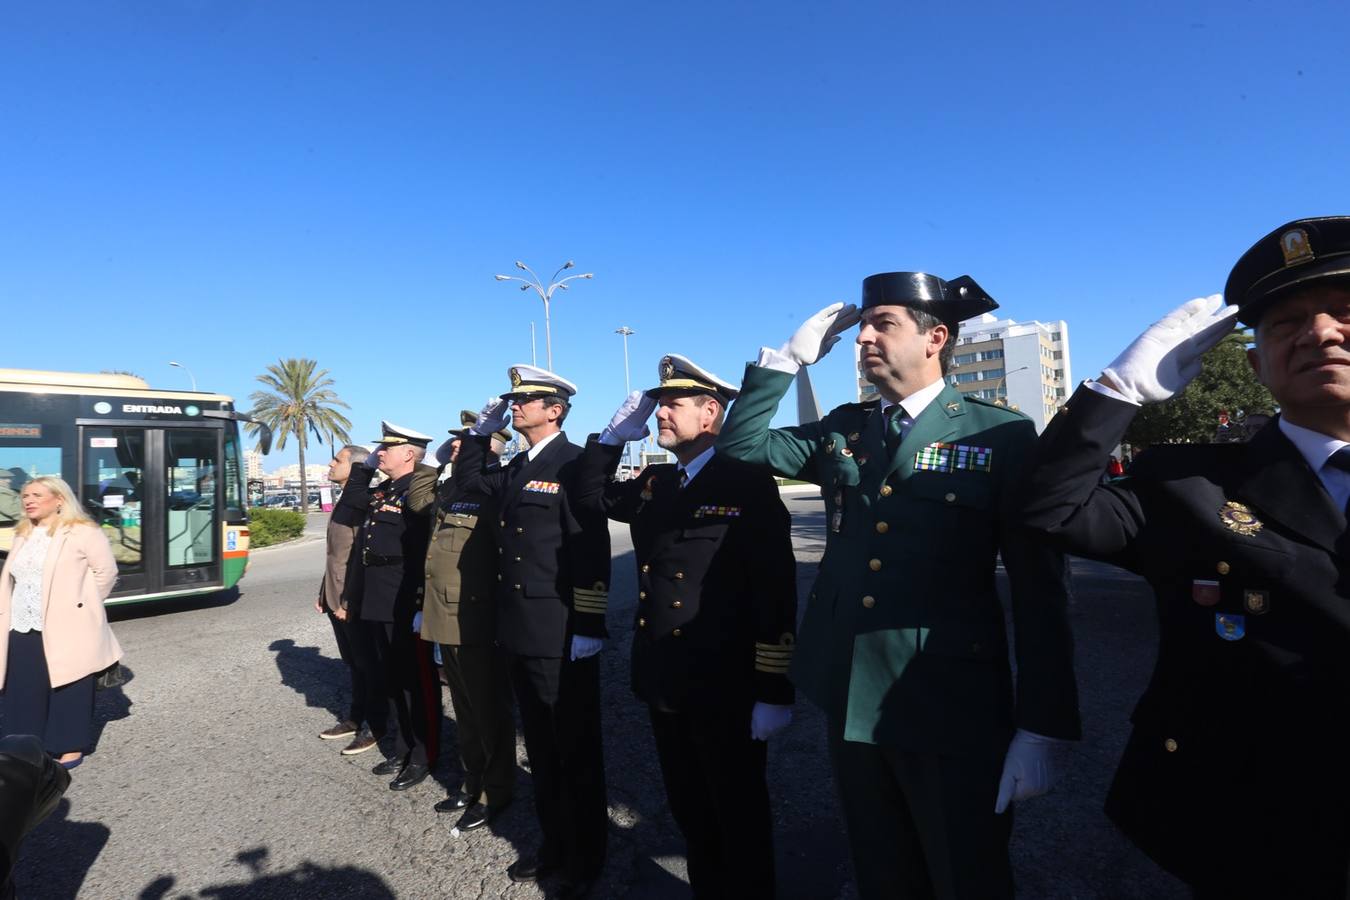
(545, 294)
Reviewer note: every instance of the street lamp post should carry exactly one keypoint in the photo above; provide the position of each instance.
(627, 387)
(178, 365)
(625, 331)
(999, 385)
(545, 294)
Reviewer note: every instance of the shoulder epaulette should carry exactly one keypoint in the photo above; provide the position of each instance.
(989, 404)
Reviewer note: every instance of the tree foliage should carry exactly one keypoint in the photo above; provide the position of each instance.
(299, 402)
(1226, 384)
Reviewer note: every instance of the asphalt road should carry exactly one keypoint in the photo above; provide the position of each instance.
(209, 781)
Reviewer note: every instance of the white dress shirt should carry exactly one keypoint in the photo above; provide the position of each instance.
(536, 448)
(695, 465)
(913, 405)
(1317, 448)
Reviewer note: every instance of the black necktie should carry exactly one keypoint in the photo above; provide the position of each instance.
(1341, 460)
(894, 434)
(684, 478)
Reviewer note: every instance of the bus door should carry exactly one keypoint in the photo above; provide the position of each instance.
(156, 492)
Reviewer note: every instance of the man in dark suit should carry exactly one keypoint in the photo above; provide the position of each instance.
(459, 613)
(1233, 778)
(903, 643)
(716, 620)
(340, 599)
(393, 544)
(552, 591)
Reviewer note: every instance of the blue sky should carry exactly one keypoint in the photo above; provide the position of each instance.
(227, 183)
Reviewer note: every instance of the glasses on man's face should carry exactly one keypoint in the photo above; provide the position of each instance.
(525, 399)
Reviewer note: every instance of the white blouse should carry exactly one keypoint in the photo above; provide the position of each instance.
(26, 606)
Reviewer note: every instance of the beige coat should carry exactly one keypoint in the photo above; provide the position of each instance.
(77, 577)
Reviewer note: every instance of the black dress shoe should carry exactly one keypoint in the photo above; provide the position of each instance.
(529, 868)
(413, 773)
(460, 799)
(480, 814)
(390, 766)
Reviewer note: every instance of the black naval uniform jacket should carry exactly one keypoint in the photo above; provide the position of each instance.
(717, 585)
(1235, 776)
(391, 547)
(553, 569)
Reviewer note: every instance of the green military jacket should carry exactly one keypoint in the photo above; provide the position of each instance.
(903, 642)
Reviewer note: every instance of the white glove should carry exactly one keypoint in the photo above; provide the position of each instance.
(417, 622)
(442, 454)
(1163, 360)
(492, 418)
(373, 460)
(630, 420)
(583, 647)
(820, 332)
(767, 719)
(1029, 769)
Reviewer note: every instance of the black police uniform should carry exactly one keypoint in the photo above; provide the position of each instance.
(716, 622)
(393, 544)
(553, 583)
(1235, 776)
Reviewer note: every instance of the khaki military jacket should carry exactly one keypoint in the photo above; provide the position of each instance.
(458, 607)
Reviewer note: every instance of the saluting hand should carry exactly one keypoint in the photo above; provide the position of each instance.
(630, 420)
(1164, 359)
(492, 418)
(820, 332)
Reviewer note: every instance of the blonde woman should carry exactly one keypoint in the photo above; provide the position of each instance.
(55, 630)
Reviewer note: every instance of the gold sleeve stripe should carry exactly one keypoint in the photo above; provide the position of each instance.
(597, 594)
(773, 659)
(589, 606)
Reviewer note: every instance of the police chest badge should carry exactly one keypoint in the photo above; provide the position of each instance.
(1237, 517)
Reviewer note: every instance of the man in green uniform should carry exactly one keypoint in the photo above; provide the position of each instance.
(903, 643)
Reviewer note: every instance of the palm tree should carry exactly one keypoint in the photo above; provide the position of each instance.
(299, 402)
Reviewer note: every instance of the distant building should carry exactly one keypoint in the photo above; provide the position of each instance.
(289, 476)
(1022, 364)
(253, 463)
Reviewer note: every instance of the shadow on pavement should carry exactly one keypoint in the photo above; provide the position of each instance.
(57, 856)
(323, 681)
(305, 880)
(111, 705)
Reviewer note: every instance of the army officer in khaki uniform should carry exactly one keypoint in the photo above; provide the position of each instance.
(460, 614)
(903, 643)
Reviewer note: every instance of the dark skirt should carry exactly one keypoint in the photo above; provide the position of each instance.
(62, 718)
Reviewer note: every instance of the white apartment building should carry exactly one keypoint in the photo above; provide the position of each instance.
(253, 463)
(1022, 364)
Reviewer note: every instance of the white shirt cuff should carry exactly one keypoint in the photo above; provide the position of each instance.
(777, 360)
(1108, 392)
